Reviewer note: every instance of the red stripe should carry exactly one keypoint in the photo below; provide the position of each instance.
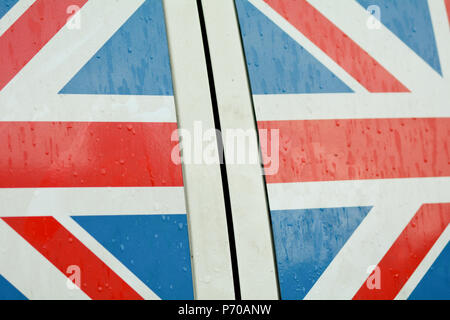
(87, 154)
(30, 33)
(62, 249)
(408, 251)
(337, 45)
(447, 4)
(330, 150)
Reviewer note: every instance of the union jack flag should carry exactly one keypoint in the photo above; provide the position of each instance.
(360, 203)
(88, 191)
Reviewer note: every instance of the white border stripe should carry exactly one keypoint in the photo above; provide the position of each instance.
(351, 193)
(350, 106)
(30, 272)
(109, 259)
(424, 266)
(382, 45)
(91, 201)
(309, 46)
(13, 14)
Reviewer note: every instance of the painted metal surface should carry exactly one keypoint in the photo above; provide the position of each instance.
(89, 192)
(360, 203)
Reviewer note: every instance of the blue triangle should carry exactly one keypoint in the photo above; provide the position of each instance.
(306, 242)
(135, 61)
(410, 21)
(435, 285)
(154, 247)
(5, 6)
(8, 291)
(278, 64)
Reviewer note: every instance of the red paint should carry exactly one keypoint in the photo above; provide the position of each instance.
(330, 150)
(62, 249)
(337, 45)
(408, 251)
(87, 154)
(447, 4)
(30, 33)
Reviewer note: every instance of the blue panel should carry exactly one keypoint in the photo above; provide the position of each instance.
(154, 247)
(5, 5)
(410, 21)
(306, 241)
(278, 64)
(134, 61)
(435, 285)
(8, 291)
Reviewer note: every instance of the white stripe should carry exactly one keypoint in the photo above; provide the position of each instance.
(331, 194)
(103, 108)
(53, 67)
(91, 201)
(350, 106)
(31, 273)
(382, 45)
(13, 14)
(424, 266)
(440, 21)
(321, 56)
(105, 256)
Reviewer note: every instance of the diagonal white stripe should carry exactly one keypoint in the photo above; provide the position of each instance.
(104, 255)
(308, 45)
(30, 272)
(382, 45)
(13, 14)
(439, 19)
(424, 266)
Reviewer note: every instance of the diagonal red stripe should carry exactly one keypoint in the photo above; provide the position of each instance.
(30, 33)
(408, 251)
(358, 149)
(62, 249)
(337, 45)
(87, 154)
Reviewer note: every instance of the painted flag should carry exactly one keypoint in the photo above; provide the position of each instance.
(358, 89)
(92, 206)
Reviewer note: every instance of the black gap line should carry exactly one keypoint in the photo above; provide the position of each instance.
(223, 171)
(260, 154)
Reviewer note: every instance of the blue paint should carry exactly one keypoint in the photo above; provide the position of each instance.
(410, 21)
(135, 61)
(306, 242)
(435, 285)
(8, 291)
(6, 5)
(276, 63)
(154, 247)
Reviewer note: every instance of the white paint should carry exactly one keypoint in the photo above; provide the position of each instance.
(350, 106)
(211, 262)
(248, 203)
(91, 201)
(440, 21)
